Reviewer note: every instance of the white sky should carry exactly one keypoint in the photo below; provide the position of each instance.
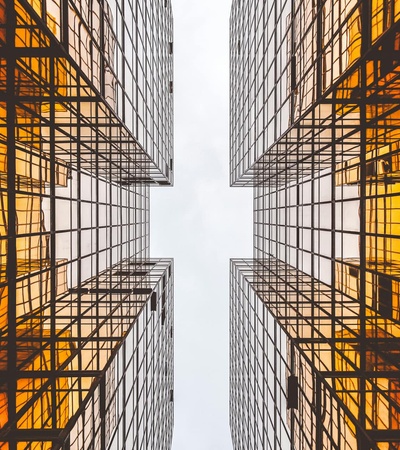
(201, 223)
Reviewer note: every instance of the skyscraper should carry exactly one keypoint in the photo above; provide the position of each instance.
(86, 331)
(315, 315)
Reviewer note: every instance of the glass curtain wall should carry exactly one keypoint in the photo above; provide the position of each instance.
(314, 132)
(86, 323)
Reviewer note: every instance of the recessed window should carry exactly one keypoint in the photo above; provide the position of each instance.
(292, 392)
(153, 301)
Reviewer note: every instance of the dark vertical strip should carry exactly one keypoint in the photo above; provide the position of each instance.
(292, 418)
(65, 24)
(78, 226)
(11, 200)
(164, 299)
(365, 45)
(318, 413)
(319, 45)
(97, 218)
(314, 232)
(333, 228)
(255, 222)
(53, 268)
(102, 50)
(293, 63)
(103, 408)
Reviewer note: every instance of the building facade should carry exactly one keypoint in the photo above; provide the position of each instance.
(86, 317)
(315, 324)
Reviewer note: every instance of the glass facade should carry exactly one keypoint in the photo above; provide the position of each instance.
(315, 324)
(86, 317)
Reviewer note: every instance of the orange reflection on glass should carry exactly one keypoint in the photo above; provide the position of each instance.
(34, 355)
(381, 391)
(380, 71)
(382, 222)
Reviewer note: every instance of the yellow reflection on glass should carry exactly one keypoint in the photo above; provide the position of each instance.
(32, 357)
(382, 392)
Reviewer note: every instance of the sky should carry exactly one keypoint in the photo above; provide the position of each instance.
(201, 222)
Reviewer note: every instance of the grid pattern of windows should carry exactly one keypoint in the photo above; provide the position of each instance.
(125, 48)
(111, 387)
(259, 366)
(124, 134)
(326, 225)
(259, 68)
(285, 326)
(299, 76)
(86, 337)
(134, 396)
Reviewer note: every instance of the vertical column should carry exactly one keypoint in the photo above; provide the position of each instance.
(11, 231)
